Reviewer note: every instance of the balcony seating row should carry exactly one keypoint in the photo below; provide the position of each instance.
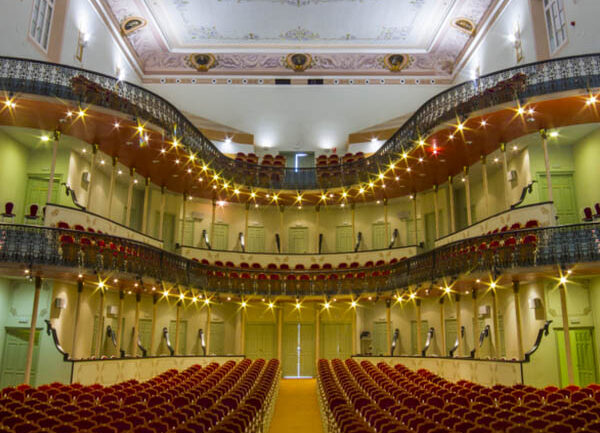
(8, 214)
(227, 398)
(589, 216)
(298, 267)
(334, 159)
(366, 398)
(79, 227)
(531, 224)
(268, 159)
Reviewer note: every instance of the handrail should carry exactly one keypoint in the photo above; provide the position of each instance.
(165, 333)
(202, 341)
(140, 346)
(395, 340)
(459, 336)
(482, 336)
(430, 335)
(70, 83)
(544, 331)
(47, 247)
(51, 330)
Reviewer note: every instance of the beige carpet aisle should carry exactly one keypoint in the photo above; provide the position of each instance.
(297, 409)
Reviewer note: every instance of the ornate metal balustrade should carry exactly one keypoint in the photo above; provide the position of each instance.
(519, 83)
(47, 249)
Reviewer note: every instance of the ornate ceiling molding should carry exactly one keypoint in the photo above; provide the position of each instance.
(157, 55)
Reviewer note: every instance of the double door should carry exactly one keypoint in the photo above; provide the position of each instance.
(298, 348)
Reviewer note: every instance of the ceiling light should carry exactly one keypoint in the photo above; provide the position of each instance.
(45, 138)
(591, 100)
(253, 194)
(460, 127)
(102, 162)
(521, 110)
(412, 296)
(554, 134)
(483, 123)
(404, 155)
(140, 129)
(119, 172)
(563, 280)
(408, 169)
(323, 197)
(392, 166)
(343, 205)
(381, 176)
(271, 305)
(361, 190)
(297, 305)
(206, 301)
(117, 124)
(326, 305)
(189, 170)
(181, 296)
(371, 184)
(421, 159)
(447, 289)
(353, 304)
(451, 136)
(194, 299)
(236, 191)
(163, 150)
(177, 161)
(397, 178)
(344, 194)
(515, 147)
(204, 167)
(81, 113)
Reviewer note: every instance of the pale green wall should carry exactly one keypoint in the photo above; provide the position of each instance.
(587, 176)
(13, 173)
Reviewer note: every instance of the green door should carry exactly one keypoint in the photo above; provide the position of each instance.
(220, 236)
(298, 240)
(298, 347)
(188, 232)
(429, 230)
(256, 240)
(379, 236)
(582, 352)
(217, 338)
(168, 230)
(182, 336)
(343, 239)
(14, 357)
(145, 334)
(336, 340)
(37, 193)
(563, 194)
(307, 350)
(261, 341)
(413, 335)
(379, 338)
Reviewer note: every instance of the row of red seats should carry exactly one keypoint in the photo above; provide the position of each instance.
(399, 400)
(229, 398)
(334, 159)
(286, 267)
(8, 212)
(268, 159)
(79, 227)
(588, 214)
(531, 224)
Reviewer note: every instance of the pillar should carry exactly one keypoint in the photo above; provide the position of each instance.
(145, 207)
(34, 314)
(565, 319)
(177, 323)
(484, 182)
(281, 209)
(161, 215)
(129, 196)
(353, 212)
(436, 211)
(459, 350)
(280, 333)
(207, 330)
(247, 211)
(385, 222)
(415, 226)
(388, 326)
(354, 351)
(442, 334)
(419, 336)
(90, 202)
(183, 214)
(518, 319)
(497, 352)
(505, 181)
(111, 186)
(120, 322)
(243, 332)
(100, 332)
(74, 353)
(52, 166)
(476, 330)
(317, 333)
(547, 164)
(151, 350)
(212, 220)
(468, 195)
(451, 198)
(317, 227)
(136, 324)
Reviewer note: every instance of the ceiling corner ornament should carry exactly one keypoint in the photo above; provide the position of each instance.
(299, 62)
(131, 24)
(396, 62)
(202, 62)
(465, 25)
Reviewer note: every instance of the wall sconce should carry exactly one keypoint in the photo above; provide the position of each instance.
(60, 303)
(515, 38)
(82, 41)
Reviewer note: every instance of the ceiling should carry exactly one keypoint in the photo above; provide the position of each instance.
(253, 37)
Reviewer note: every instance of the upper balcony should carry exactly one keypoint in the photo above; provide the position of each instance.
(445, 131)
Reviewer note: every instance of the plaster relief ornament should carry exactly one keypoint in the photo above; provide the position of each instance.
(131, 24)
(464, 25)
(396, 62)
(298, 62)
(202, 62)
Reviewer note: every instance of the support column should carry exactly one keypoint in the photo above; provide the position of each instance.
(212, 221)
(183, 214)
(419, 335)
(145, 208)
(497, 351)
(484, 181)
(476, 330)
(451, 198)
(317, 332)
(547, 164)
(505, 181)
(280, 333)
(388, 326)
(459, 350)
(52, 166)
(161, 215)
(317, 227)
(353, 213)
(136, 324)
(90, 201)
(74, 353)
(468, 195)
(177, 323)
(100, 332)
(120, 322)
(152, 351)
(111, 186)
(415, 225)
(207, 329)
(436, 211)
(243, 332)
(442, 337)
(129, 196)
(34, 314)
(385, 222)
(281, 209)
(565, 319)
(518, 319)
(247, 211)
(354, 351)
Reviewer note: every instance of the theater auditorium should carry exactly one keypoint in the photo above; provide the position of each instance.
(312, 216)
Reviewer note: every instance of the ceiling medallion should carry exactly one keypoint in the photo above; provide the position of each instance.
(131, 24)
(298, 62)
(396, 62)
(465, 25)
(202, 62)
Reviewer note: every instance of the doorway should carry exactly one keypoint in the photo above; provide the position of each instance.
(256, 240)
(379, 338)
(380, 236)
(37, 192)
(261, 341)
(298, 240)
(336, 340)
(343, 239)
(168, 230)
(298, 350)
(14, 356)
(563, 194)
(413, 335)
(220, 236)
(217, 338)
(583, 354)
(145, 334)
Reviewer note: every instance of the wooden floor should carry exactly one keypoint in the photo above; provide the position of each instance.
(297, 409)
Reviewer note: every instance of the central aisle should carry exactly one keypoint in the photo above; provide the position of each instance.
(297, 409)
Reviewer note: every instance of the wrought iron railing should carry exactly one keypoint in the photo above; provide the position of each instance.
(31, 247)
(518, 83)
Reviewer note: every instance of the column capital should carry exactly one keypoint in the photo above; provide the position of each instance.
(352, 206)
(474, 293)
(57, 135)
(162, 189)
(155, 298)
(503, 147)
(483, 159)
(516, 286)
(435, 188)
(132, 171)
(457, 297)
(385, 201)
(79, 285)
(247, 206)
(147, 181)
(121, 294)
(115, 160)
(450, 178)
(466, 170)
(418, 303)
(94, 148)
(442, 300)
(388, 303)
(138, 297)
(318, 208)
(543, 134)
